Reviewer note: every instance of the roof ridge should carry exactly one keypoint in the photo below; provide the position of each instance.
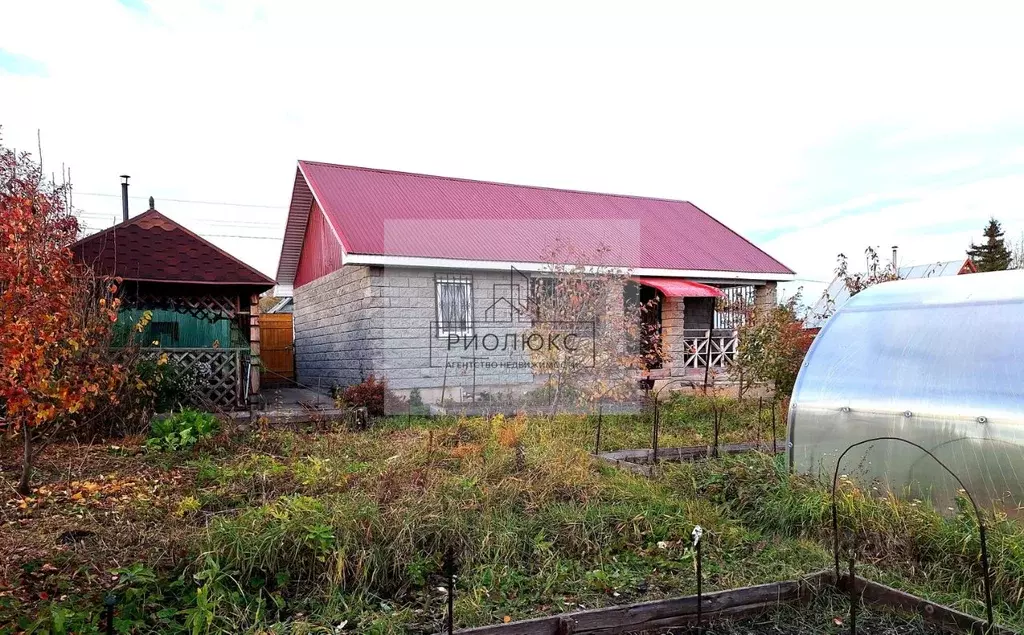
(133, 220)
(545, 188)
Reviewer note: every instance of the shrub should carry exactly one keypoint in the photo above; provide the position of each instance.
(181, 430)
(372, 394)
(173, 385)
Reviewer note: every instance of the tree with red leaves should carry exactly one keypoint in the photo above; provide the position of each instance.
(772, 345)
(55, 319)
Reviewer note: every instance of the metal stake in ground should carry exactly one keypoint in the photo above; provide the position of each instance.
(698, 531)
(775, 450)
(108, 604)
(657, 424)
(853, 598)
(597, 443)
(449, 572)
(757, 428)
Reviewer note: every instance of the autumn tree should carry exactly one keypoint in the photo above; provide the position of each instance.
(772, 344)
(612, 340)
(855, 282)
(55, 319)
(991, 255)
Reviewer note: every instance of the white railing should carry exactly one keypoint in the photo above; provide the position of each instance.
(714, 348)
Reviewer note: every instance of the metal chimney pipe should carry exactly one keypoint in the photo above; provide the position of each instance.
(124, 197)
(894, 263)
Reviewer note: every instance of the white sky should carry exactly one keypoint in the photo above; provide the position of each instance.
(810, 132)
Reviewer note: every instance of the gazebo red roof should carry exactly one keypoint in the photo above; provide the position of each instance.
(153, 248)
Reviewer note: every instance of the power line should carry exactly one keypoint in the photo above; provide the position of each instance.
(183, 200)
(204, 235)
(212, 221)
(235, 236)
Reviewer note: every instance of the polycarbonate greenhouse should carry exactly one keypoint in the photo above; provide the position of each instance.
(938, 362)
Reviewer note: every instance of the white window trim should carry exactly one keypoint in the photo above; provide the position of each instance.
(441, 332)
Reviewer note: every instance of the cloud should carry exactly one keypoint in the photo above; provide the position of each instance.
(21, 64)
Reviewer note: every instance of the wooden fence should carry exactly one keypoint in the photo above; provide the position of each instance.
(709, 348)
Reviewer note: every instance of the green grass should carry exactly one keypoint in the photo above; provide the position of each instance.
(298, 532)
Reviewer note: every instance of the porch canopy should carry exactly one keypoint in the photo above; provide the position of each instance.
(679, 288)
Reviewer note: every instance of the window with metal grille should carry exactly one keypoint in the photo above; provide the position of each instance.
(454, 304)
(731, 310)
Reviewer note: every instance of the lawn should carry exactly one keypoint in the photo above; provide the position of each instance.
(324, 530)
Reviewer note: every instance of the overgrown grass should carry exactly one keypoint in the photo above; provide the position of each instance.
(896, 536)
(287, 531)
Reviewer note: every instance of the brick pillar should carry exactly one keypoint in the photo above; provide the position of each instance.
(254, 344)
(766, 296)
(672, 324)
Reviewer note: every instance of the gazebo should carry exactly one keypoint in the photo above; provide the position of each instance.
(204, 302)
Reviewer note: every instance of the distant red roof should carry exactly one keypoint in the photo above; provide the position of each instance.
(399, 214)
(153, 248)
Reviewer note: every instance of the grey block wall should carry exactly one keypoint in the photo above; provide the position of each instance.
(331, 321)
(382, 320)
(408, 350)
(700, 313)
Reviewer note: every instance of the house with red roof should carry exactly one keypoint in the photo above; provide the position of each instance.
(203, 302)
(389, 268)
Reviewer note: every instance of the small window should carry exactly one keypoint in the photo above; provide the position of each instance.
(162, 330)
(454, 305)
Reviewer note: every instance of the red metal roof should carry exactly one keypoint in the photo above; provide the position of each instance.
(387, 213)
(153, 248)
(679, 288)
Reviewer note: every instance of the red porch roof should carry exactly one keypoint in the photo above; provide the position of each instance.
(679, 288)
(153, 248)
(383, 213)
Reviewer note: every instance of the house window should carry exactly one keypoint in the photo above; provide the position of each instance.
(454, 305)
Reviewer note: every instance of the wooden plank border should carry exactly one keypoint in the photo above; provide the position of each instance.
(877, 594)
(734, 604)
(658, 614)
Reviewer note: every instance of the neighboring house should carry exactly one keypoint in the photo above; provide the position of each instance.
(838, 294)
(204, 302)
(276, 304)
(387, 267)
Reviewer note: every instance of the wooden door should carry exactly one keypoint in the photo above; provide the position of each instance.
(276, 349)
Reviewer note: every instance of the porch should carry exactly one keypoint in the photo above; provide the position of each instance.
(210, 338)
(699, 322)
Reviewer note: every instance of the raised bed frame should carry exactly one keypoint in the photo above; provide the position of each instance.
(736, 604)
(641, 460)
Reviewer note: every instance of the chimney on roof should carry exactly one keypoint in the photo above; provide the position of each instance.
(151, 203)
(124, 197)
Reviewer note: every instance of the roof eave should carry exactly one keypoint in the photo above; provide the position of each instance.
(499, 265)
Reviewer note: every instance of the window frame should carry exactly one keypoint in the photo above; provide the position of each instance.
(459, 279)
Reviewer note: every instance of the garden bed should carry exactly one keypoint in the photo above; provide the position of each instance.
(640, 460)
(811, 605)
